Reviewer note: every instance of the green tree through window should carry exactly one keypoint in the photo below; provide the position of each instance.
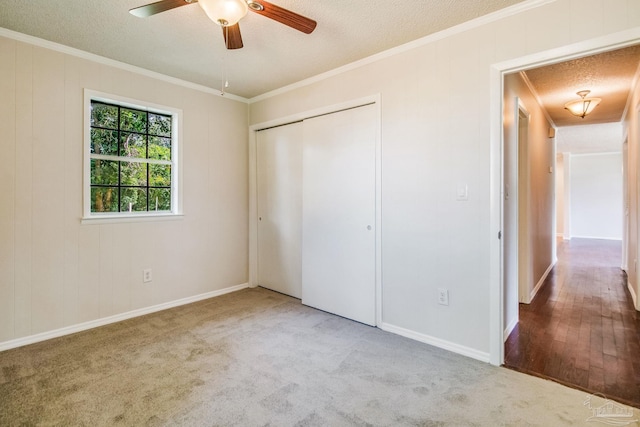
(130, 155)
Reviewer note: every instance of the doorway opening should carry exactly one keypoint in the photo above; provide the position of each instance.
(524, 128)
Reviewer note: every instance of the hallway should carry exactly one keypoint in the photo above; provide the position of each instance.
(581, 329)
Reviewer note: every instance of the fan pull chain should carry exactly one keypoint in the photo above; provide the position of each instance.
(224, 82)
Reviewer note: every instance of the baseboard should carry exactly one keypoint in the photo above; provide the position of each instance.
(597, 237)
(535, 290)
(509, 328)
(437, 342)
(67, 330)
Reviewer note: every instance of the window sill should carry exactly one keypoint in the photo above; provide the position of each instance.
(144, 217)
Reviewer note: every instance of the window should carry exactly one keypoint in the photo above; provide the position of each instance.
(131, 167)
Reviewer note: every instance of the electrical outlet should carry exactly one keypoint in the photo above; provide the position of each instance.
(146, 275)
(443, 296)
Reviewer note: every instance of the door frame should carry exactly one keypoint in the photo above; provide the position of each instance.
(624, 263)
(523, 202)
(253, 195)
(496, 168)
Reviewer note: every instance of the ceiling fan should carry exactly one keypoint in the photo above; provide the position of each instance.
(227, 13)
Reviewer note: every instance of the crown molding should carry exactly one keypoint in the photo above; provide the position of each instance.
(457, 29)
(535, 94)
(465, 26)
(46, 44)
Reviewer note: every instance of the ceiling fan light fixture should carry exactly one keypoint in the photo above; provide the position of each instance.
(583, 106)
(224, 12)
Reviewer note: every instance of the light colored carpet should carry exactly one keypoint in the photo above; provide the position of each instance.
(259, 358)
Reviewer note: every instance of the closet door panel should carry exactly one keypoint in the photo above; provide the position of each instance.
(279, 189)
(338, 213)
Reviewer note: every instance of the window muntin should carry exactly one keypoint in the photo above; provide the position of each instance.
(131, 161)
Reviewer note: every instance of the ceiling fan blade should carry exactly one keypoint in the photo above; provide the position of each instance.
(232, 36)
(159, 6)
(283, 16)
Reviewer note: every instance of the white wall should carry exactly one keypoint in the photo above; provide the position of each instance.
(579, 140)
(560, 212)
(55, 272)
(596, 195)
(566, 197)
(435, 135)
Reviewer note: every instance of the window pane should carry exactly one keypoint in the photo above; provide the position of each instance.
(104, 142)
(133, 145)
(159, 124)
(133, 199)
(159, 199)
(134, 174)
(130, 135)
(159, 148)
(133, 120)
(104, 199)
(104, 172)
(160, 175)
(104, 116)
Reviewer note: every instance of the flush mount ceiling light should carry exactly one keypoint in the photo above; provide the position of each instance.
(225, 12)
(583, 106)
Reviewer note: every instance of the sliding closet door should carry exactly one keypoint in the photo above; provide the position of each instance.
(338, 213)
(279, 190)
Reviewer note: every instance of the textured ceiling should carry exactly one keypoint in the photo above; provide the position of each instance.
(185, 44)
(595, 138)
(608, 76)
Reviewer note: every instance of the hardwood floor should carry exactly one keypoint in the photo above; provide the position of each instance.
(581, 329)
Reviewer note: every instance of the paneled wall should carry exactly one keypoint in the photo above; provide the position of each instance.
(56, 272)
(436, 135)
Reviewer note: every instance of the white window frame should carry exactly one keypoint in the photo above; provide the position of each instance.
(176, 160)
